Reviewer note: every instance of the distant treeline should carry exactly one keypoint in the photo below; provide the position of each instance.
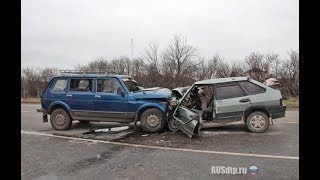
(179, 64)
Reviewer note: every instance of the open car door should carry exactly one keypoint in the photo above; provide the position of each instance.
(189, 122)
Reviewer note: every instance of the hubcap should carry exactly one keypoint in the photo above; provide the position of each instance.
(174, 124)
(257, 121)
(60, 119)
(153, 121)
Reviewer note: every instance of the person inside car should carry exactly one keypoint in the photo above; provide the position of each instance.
(204, 100)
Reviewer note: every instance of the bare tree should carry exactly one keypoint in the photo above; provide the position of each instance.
(152, 65)
(289, 75)
(137, 68)
(213, 66)
(202, 70)
(100, 64)
(254, 60)
(259, 65)
(120, 65)
(276, 67)
(178, 60)
(179, 65)
(152, 56)
(236, 69)
(268, 65)
(47, 74)
(34, 80)
(223, 70)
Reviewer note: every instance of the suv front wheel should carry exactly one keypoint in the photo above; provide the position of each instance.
(60, 119)
(257, 122)
(152, 120)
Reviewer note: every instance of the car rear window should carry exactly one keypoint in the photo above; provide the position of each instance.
(252, 88)
(60, 85)
(229, 90)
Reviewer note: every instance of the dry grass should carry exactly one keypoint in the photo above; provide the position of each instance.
(291, 102)
(30, 100)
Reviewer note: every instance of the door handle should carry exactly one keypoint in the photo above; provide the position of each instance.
(97, 96)
(69, 95)
(244, 100)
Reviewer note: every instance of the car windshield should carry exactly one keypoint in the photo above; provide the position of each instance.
(131, 85)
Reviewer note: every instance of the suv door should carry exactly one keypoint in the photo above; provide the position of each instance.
(231, 101)
(80, 96)
(111, 100)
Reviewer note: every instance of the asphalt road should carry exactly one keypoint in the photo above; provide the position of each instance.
(132, 154)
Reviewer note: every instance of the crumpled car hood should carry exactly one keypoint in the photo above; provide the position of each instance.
(153, 93)
(180, 91)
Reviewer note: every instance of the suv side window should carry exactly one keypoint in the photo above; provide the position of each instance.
(229, 90)
(252, 88)
(109, 85)
(81, 85)
(61, 85)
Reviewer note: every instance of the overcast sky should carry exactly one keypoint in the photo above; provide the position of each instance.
(63, 33)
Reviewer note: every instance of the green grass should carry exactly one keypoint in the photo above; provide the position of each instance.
(291, 102)
(30, 100)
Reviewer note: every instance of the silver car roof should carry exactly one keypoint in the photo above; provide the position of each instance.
(221, 80)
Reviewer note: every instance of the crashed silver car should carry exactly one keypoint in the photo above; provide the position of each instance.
(223, 101)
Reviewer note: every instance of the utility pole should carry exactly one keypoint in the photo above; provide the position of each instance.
(131, 49)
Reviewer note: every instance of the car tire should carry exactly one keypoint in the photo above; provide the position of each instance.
(83, 121)
(60, 119)
(152, 120)
(257, 122)
(173, 125)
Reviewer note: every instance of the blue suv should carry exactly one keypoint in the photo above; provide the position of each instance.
(103, 98)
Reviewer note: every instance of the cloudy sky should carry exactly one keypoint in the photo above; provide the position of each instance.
(63, 33)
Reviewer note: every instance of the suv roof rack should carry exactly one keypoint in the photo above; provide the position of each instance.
(82, 72)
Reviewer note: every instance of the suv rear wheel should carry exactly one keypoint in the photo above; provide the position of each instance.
(60, 119)
(152, 120)
(257, 122)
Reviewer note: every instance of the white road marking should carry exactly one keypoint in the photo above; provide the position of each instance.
(286, 122)
(163, 148)
(25, 111)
